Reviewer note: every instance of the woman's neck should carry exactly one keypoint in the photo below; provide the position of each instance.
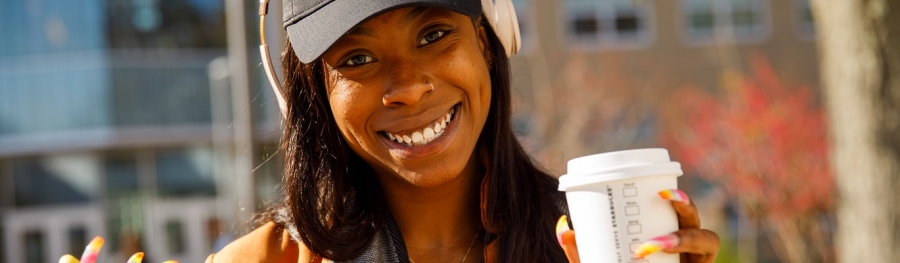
(439, 223)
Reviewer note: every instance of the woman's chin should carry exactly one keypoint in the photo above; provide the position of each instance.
(431, 178)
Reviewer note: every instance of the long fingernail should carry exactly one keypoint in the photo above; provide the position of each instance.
(92, 250)
(68, 259)
(675, 195)
(136, 258)
(656, 244)
(562, 225)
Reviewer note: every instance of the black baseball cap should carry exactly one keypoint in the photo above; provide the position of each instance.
(314, 25)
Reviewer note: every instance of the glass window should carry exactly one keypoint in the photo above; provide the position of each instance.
(627, 23)
(157, 24)
(50, 26)
(162, 96)
(804, 19)
(2, 243)
(53, 73)
(34, 246)
(608, 23)
(160, 52)
(64, 179)
(175, 237)
(7, 187)
(121, 175)
(585, 25)
(92, 65)
(125, 221)
(185, 172)
(124, 209)
(737, 20)
(78, 240)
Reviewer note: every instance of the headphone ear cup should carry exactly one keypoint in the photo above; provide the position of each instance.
(501, 15)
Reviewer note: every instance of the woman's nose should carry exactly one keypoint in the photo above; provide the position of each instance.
(406, 86)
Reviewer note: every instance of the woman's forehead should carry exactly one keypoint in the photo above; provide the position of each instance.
(400, 17)
(390, 28)
(314, 29)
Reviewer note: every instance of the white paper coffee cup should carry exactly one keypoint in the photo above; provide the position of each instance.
(614, 203)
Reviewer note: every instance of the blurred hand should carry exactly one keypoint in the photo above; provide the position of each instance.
(696, 245)
(93, 250)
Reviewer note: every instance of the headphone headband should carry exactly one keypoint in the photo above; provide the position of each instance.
(501, 15)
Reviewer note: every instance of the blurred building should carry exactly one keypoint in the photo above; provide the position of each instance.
(107, 116)
(634, 54)
(663, 44)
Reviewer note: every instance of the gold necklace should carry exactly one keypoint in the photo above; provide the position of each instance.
(467, 251)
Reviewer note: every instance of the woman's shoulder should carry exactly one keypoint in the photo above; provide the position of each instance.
(268, 243)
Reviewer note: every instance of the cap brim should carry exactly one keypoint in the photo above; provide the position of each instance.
(312, 35)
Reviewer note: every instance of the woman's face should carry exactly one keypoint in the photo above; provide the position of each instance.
(381, 78)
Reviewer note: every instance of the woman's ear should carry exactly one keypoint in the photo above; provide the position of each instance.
(484, 44)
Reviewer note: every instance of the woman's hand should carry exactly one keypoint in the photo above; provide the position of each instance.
(695, 245)
(93, 250)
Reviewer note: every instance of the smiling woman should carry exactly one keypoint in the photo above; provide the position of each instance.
(392, 136)
(398, 141)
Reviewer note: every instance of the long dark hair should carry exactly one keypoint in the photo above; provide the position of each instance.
(335, 203)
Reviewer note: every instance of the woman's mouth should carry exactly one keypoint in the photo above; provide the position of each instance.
(426, 134)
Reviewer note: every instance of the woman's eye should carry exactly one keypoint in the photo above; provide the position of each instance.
(431, 37)
(358, 60)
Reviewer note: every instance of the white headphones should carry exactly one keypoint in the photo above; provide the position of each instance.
(500, 14)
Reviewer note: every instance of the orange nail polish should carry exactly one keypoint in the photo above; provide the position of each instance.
(562, 225)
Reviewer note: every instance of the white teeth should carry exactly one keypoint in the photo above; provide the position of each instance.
(427, 134)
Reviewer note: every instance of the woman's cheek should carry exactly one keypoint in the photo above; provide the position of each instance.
(348, 113)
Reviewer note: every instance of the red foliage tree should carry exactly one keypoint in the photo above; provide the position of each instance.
(765, 143)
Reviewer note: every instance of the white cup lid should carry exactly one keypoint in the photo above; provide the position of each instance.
(599, 163)
(618, 165)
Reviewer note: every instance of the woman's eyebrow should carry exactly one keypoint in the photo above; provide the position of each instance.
(415, 13)
(363, 31)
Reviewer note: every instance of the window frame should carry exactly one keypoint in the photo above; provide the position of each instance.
(607, 37)
(722, 16)
(803, 30)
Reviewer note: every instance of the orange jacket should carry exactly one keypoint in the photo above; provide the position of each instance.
(268, 243)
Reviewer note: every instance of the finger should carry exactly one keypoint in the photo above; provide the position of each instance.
(700, 245)
(68, 259)
(566, 238)
(562, 225)
(92, 250)
(136, 258)
(570, 247)
(684, 208)
(170, 261)
(657, 244)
